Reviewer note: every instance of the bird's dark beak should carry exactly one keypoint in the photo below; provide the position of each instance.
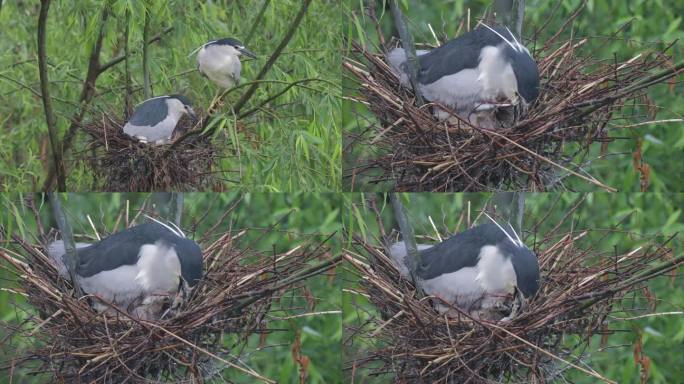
(247, 52)
(192, 113)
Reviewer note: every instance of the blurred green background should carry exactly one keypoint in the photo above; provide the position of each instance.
(640, 26)
(291, 144)
(312, 217)
(632, 215)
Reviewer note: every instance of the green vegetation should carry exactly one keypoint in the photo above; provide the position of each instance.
(313, 216)
(291, 143)
(619, 30)
(647, 214)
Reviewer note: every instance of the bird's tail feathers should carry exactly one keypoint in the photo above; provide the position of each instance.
(397, 61)
(398, 255)
(56, 251)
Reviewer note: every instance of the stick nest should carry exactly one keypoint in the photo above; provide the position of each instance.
(124, 163)
(209, 333)
(405, 337)
(409, 148)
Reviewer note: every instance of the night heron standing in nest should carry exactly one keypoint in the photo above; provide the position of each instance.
(219, 61)
(477, 75)
(155, 120)
(139, 269)
(486, 271)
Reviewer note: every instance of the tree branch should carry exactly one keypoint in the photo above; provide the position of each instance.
(147, 86)
(87, 93)
(511, 205)
(58, 162)
(67, 238)
(409, 49)
(257, 21)
(511, 13)
(279, 49)
(408, 236)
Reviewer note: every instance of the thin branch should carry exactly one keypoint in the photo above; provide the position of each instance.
(409, 49)
(147, 87)
(279, 49)
(408, 236)
(128, 102)
(68, 239)
(87, 94)
(257, 22)
(275, 96)
(45, 95)
(121, 58)
(511, 13)
(180, 199)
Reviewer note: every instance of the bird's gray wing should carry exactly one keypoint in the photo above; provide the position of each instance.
(459, 251)
(119, 249)
(456, 55)
(150, 112)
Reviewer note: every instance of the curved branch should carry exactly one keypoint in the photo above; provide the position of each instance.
(279, 49)
(58, 162)
(147, 86)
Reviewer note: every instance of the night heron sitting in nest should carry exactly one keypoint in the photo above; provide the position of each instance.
(219, 60)
(486, 271)
(477, 74)
(138, 269)
(155, 120)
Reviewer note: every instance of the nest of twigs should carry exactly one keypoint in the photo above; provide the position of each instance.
(581, 286)
(124, 163)
(74, 343)
(414, 151)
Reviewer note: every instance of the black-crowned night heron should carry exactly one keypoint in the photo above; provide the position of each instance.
(137, 269)
(219, 60)
(155, 120)
(478, 71)
(482, 271)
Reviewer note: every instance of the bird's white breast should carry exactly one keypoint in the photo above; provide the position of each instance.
(496, 77)
(460, 90)
(220, 63)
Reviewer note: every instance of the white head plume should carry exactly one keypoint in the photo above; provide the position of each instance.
(516, 46)
(175, 230)
(515, 241)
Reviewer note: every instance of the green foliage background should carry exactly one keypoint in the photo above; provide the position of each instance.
(315, 215)
(643, 24)
(647, 214)
(291, 144)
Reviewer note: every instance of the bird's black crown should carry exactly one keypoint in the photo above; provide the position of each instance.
(227, 41)
(182, 99)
